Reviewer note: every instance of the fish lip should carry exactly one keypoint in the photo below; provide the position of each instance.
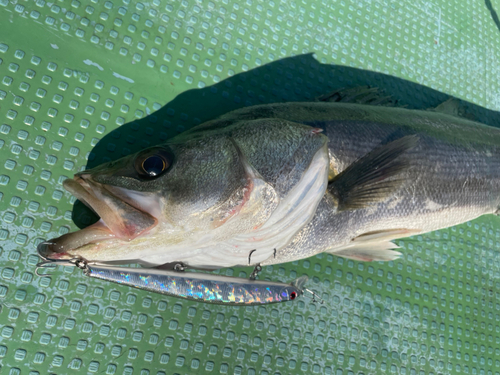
(89, 192)
(82, 186)
(44, 250)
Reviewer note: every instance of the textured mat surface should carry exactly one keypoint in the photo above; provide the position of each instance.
(83, 82)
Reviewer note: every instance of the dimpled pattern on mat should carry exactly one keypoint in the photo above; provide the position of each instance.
(84, 82)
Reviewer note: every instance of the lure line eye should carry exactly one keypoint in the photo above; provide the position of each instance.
(153, 165)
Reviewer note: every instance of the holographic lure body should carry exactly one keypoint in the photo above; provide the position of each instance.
(200, 287)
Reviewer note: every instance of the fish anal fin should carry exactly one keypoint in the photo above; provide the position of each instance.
(370, 255)
(374, 246)
(369, 179)
(359, 95)
(384, 235)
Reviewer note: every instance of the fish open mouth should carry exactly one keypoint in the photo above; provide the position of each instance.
(119, 219)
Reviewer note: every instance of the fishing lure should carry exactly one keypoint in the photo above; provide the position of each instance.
(201, 287)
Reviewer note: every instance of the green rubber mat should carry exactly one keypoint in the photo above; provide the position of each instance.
(82, 82)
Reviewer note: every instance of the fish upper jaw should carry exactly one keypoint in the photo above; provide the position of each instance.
(119, 219)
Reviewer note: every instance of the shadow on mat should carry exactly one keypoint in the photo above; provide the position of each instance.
(292, 79)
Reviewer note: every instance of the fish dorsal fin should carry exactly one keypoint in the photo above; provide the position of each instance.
(369, 179)
(374, 246)
(359, 95)
(454, 107)
(450, 107)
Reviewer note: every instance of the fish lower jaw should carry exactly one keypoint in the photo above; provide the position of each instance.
(54, 250)
(91, 243)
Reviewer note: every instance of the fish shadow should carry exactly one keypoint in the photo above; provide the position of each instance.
(292, 79)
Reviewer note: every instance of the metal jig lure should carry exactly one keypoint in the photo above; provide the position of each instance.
(202, 287)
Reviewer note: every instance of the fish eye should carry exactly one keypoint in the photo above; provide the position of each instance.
(154, 163)
(293, 295)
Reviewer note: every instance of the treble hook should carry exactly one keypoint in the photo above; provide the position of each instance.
(42, 265)
(52, 263)
(47, 263)
(314, 295)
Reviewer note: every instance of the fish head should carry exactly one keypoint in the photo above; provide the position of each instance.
(197, 189)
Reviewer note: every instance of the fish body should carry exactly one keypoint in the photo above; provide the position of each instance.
(453, 176)
(273, 179)
(201, 287)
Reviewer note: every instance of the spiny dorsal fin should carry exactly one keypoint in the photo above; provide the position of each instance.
(359, 95)
(368, 180)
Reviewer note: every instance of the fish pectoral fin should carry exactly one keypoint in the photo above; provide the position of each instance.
(374, 246)
(370, 179)
(359, 95)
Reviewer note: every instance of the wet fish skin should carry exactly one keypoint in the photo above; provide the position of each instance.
(453, 176)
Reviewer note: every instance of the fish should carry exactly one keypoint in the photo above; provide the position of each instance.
(194, 286)
(274, 183)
